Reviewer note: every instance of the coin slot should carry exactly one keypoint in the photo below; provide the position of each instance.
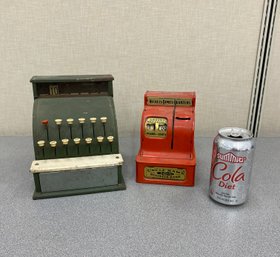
(181, 118)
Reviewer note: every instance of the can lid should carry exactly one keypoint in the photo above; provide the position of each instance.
(234, 133)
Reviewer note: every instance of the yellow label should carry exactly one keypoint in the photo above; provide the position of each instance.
(156, 127)
(165, 173)
(169, 101)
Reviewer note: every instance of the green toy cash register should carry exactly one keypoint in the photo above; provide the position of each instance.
(75, 136)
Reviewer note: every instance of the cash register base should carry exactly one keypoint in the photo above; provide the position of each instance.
(79, 175)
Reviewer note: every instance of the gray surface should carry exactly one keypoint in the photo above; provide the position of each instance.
(144, 220)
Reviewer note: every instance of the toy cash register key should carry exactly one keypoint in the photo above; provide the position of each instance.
(93, 121)
(45, 123)
(110, 140)
(41, 144)
(104, 120)
(53, 145)
(82, 121)
(100, 140)
(65, 142)
(77, 142)
(88, 142)
(58, 122)
(70, 123)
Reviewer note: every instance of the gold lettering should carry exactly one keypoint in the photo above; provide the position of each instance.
(169, 101)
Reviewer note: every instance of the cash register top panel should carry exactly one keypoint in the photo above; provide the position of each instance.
(71, 86)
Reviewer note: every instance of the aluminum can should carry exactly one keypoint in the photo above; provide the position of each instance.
(232, 159)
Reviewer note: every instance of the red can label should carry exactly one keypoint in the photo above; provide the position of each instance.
(226, 178)
(229, 178)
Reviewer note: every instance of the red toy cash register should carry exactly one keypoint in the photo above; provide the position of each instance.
(167, 154)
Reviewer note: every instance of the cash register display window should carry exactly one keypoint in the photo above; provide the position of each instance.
(156, 127)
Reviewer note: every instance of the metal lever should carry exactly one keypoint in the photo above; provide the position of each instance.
(70, 123)
(58, 122)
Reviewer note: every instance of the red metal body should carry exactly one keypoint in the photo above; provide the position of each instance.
(167, 154)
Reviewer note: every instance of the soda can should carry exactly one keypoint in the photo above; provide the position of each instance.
(231, 167)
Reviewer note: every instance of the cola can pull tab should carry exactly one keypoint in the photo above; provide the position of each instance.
(235, 133)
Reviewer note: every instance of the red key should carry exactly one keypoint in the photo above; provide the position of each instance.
(45, 122)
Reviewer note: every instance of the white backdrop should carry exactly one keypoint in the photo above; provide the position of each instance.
(206, 46)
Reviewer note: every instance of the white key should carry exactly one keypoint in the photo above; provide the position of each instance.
(88, 140)
(81, 120)
(110, 139)
(53, 143)
(92, 120)
(77, 140)
(65, 141)
(100, 139)
(103, 119)
(58, 121)
(41, 143)
(70, 121)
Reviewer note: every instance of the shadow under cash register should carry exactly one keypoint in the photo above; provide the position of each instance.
(75, 136)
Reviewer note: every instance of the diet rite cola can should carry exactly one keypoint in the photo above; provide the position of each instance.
(232, 158)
